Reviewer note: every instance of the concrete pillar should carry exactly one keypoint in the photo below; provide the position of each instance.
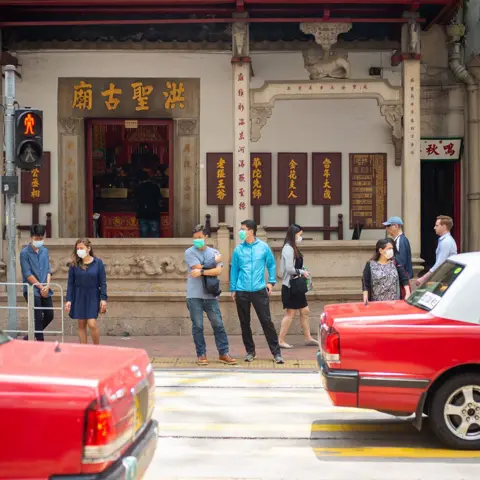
(2, 222)
(473, 186)
(223, 246)
(241, 127)
(411, 138)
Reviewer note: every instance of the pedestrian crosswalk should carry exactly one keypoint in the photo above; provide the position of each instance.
(232, 425)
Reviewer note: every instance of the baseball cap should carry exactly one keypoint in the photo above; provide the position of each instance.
(393, 221)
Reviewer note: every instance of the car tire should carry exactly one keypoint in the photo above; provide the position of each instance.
(456, 407)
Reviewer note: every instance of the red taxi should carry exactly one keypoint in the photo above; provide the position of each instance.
(417, 357)
(75, 412)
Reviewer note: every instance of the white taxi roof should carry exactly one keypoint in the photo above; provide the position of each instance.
(460, 301)
(471, 258)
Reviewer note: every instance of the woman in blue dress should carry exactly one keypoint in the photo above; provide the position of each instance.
(86, 290)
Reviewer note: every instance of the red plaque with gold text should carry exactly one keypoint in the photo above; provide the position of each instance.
(326, 178)
(35, 184)
(292, 179)
(261, 178)
(219, 179)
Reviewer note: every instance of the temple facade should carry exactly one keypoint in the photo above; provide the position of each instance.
(334, 125)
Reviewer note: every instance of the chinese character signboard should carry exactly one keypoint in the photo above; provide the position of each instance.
(35, 184)
(368, 190)
(219, 179)
(124, 97)
(292, 178)
(326, 178)
(261, 178)
(440, 148)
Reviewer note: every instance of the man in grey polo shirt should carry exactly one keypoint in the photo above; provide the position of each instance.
(200, 301)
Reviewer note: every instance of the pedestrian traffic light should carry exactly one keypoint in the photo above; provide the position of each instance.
(28, 138)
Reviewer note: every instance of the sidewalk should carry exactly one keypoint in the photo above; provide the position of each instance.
(179, 352)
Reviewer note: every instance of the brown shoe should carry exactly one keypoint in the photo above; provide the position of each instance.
(202, 360)
(227, 359)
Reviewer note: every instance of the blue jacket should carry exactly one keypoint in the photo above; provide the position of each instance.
(249, 261)
(404, 256)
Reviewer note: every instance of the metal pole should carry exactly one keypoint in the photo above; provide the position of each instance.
(10, 203)
(31, 313)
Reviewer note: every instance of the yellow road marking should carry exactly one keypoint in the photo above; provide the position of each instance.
(264, 394)
(395, 452)
(318, 427)
(258, 409)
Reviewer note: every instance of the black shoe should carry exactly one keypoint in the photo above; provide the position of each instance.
(250, 357)
(278, 359)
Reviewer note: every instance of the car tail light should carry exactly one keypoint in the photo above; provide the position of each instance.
(108, 429)
(100, 427)
(331, 344)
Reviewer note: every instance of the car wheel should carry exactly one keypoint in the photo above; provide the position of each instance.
(455, 412)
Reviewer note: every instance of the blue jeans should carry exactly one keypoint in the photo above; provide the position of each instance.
(196, 307)
(149, 228)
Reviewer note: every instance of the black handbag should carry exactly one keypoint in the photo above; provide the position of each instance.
(298, 285)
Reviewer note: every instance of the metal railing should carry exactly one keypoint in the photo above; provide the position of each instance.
(31, 310)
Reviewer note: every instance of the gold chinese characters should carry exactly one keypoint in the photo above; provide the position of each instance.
(173, 93)
(82, 96)
(221, 187)
(292, 176)
(327, 188)
(256, 178)
(141, 93)
(35, 193)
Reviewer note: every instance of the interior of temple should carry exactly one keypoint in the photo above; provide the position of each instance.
(128, 163)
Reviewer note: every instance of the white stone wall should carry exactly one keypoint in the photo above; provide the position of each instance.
(297, 126)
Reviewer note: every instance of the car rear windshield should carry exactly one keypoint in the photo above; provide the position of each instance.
(429, 295)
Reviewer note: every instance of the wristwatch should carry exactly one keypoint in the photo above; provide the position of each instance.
(202, 271)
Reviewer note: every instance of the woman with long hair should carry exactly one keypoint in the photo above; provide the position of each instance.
(292, 267)
(86, 290)
(382, 276)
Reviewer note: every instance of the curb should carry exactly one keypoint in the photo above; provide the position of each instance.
(177, 363)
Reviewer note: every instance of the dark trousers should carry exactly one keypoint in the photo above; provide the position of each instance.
(261, 304)
(43, 318)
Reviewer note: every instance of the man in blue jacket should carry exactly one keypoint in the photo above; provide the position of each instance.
(247, 285)
(394, 227)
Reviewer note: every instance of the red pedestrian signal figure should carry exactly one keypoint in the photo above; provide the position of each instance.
(29, 123)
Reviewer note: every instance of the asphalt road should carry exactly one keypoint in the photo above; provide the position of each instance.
(277, 425)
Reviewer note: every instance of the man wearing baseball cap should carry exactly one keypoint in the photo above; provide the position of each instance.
(403, 256)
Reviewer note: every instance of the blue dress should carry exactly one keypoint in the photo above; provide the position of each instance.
(85, 289)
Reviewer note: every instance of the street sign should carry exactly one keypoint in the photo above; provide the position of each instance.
(28, 138)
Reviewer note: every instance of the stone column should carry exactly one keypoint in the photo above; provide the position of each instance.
(186, 177)
(411, 139)
(241, 127)
(2, 113)
(71, 174)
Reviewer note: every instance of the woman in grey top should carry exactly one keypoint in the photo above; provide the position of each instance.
(382, 276)
(292, 266)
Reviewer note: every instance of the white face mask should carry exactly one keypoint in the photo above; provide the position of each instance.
(389, 254)
(82, 253)
(299, 240)
(38, 243)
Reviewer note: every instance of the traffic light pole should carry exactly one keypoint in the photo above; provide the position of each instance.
(11, 222)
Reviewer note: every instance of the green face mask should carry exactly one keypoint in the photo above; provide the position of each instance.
(242, 234)
(199, 242)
